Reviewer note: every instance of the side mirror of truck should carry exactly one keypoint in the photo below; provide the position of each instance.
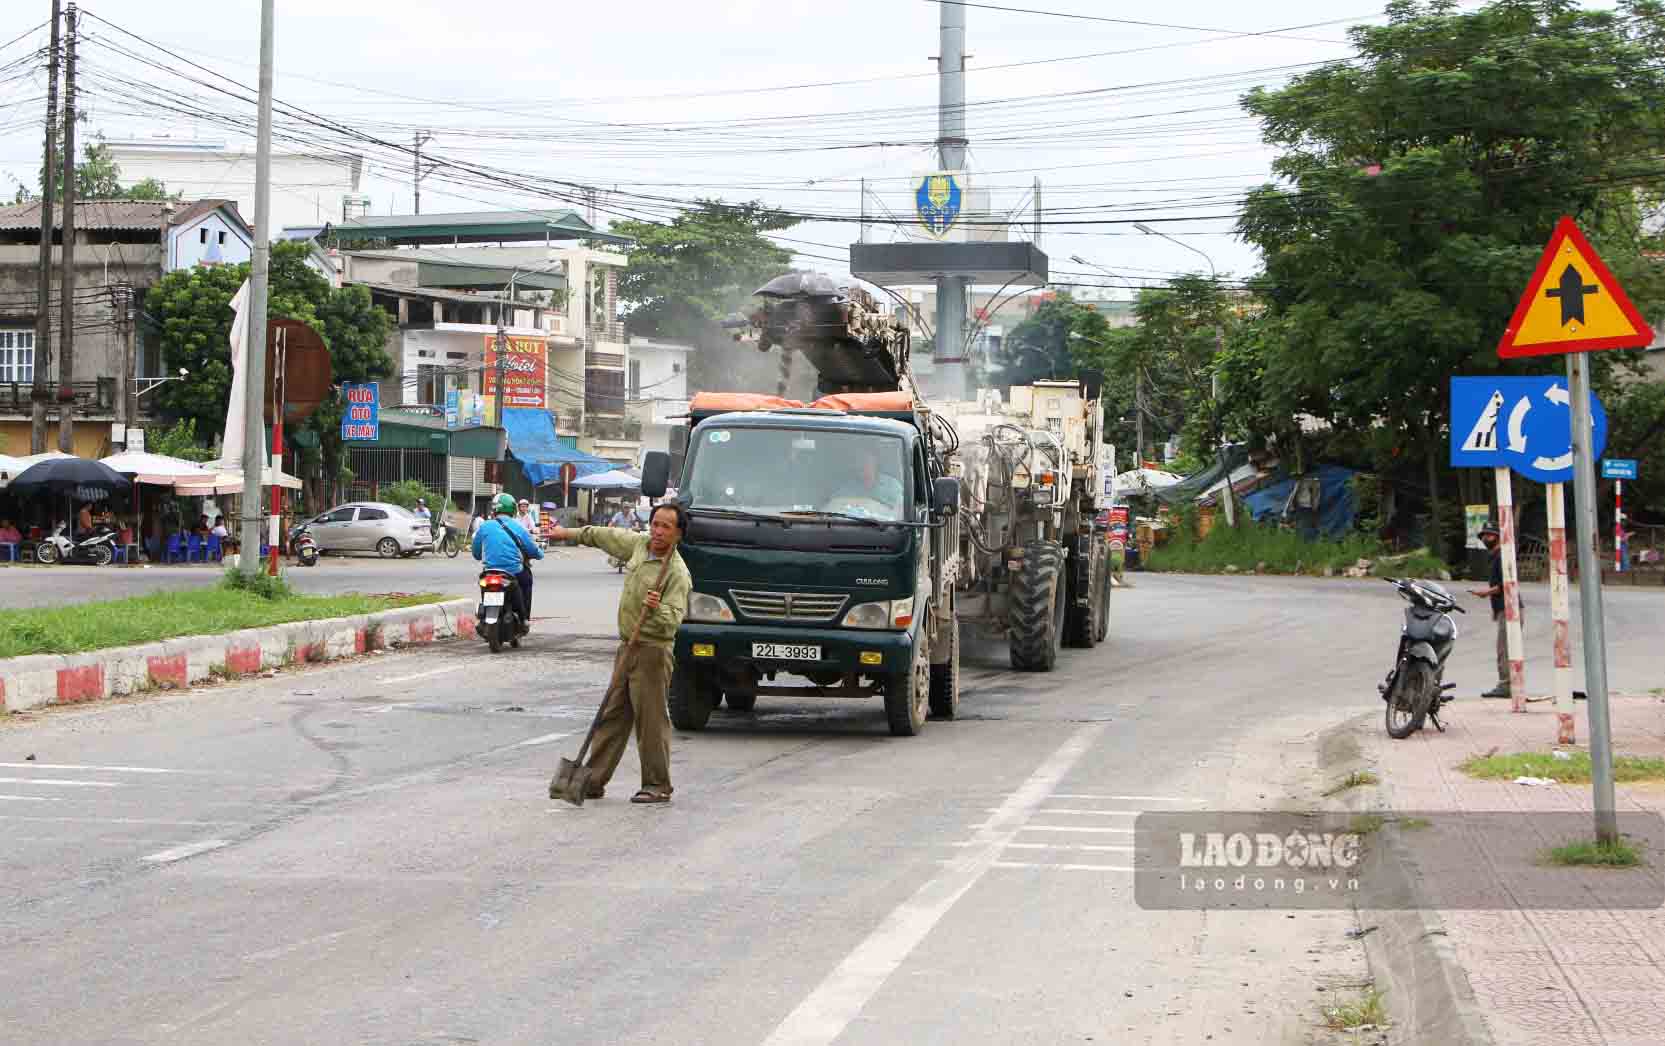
(945, 495)
(656, 473)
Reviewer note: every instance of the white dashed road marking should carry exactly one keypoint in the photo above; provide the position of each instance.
(106, 769)
(425, 675)
(179, 853)
(59, 782)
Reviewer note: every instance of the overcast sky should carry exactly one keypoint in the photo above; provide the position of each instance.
(670, 100)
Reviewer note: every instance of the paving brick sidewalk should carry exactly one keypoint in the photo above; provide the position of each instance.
(1557, 977)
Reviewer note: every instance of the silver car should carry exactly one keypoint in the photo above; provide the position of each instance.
(372, 526)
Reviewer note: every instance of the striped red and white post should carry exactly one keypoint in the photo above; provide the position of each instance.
(1560, 605)
(1511, 589)
(1619, 526)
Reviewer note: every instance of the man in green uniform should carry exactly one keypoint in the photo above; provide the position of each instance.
(644, 673)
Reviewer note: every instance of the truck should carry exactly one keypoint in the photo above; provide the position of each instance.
(830, 543)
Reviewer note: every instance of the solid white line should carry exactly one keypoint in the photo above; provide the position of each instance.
(1092, 813)
(32, 798)
(1075, 828)
(110, 769)
(427, 674)
(838, 999)
(179, 853)
(1072, 847)
(109, 820)
(59, 782)
(1128, 798)
(543, 739)
(1064, 867)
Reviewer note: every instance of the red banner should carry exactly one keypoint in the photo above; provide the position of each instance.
(524, 372)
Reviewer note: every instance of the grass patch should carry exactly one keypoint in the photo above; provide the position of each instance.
(1366, 824)
(1595, 855)
(1250, 546)
(168, 615)
(1575, 770)
(1367, 1011)
(1356, 779)
(1413, 823)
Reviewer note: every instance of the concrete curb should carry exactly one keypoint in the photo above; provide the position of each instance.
(61, 679)
(1410, 955)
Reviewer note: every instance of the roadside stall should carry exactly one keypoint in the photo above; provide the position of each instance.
(159, 471)
(58, 484)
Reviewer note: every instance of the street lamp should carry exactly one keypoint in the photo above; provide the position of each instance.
(155, 383)
(1214, 372)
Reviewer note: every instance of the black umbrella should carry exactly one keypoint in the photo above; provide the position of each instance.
(79, 478)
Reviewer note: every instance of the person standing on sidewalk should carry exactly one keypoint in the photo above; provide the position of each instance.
(645, 669)
(1490, 536)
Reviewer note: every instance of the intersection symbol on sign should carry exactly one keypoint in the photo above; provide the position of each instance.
(1572, 304)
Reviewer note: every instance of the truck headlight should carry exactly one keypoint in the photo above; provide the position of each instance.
(889, 613)
(703, 607)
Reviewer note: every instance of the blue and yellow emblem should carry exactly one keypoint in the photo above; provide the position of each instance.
(938, 202)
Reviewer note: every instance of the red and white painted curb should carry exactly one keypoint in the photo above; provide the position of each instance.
(63, 679)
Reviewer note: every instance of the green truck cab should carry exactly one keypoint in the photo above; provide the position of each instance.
(816, 544)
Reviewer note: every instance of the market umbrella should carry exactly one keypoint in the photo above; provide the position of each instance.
(9, 467)
(158, 469)
(79, 478)
(614, 479)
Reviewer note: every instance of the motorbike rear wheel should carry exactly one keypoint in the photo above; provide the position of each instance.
(1414, 692)
(453, 545)
(494, 636)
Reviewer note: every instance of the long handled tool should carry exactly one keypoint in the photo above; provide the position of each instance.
(572, 778)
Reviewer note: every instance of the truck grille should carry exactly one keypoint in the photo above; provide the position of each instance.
(789, 606)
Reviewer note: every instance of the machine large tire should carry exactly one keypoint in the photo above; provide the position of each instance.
(1101, 613)
(741, 703)
(1083, 570)
(945, 677)
(1035, 608)
(908, 694)
(692, 698)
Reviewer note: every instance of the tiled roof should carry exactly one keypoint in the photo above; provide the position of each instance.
(110, 215)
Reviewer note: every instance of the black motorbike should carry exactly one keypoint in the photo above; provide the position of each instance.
(1416, 688)
(302, 545)
(498, 616)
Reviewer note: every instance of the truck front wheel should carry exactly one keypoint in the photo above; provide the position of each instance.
(908, 694)
(693, 695)
(1035, 609)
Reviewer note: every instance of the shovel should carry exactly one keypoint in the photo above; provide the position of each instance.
(572, 777)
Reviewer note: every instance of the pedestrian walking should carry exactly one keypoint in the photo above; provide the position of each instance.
(1491, 537)
(643, 669)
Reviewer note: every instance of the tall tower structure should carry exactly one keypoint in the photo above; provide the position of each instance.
(949, 355)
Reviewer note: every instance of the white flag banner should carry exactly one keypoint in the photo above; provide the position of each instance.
(231, 443)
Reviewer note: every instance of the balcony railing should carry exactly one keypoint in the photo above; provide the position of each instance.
(609, 360)
(98, 395)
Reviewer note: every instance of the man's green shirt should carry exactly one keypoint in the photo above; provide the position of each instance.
(640, 572)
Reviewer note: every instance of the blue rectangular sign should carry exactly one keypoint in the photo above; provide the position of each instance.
(1524, 424)
(362, 419)
(1618, 468)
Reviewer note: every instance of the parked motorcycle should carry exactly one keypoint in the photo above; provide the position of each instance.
(498, 616)
(302, 545)
(448, 541)
(97, 548)
(1416, 688)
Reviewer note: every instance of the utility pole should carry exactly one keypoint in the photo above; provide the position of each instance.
(951, 142)
(66, 306)
(418, 140)
(1589, 591)
(254, 362)
(41, 391)
(502, 354)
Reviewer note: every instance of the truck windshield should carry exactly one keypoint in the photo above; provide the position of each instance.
(799, 470)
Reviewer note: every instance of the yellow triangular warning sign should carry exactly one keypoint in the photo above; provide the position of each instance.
(1572, 304)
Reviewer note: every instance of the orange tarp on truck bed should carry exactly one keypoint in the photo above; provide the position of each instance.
(722, 402)
(865, 401)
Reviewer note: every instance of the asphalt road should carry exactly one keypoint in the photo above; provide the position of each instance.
(363, 852)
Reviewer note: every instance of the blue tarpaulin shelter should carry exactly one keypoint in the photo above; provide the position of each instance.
(533, 442)
(1330, 513)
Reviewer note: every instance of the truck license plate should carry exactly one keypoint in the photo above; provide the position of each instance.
(787, 651)
(492, 599)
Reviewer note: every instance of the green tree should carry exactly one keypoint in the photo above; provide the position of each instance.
(687, 275)
(1418, 186)
(193, 310)
(179, 440)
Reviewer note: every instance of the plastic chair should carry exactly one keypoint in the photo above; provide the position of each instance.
(193, 549)
(175, 553)
(10, 549)
(215, 552)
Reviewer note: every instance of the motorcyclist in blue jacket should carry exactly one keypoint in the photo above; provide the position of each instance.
(500, 543)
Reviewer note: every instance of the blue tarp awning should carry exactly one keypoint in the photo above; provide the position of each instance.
(541, 454)
(1331, 514)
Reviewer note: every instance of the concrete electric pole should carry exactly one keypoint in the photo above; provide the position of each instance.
(66, 282)
(950, 354)
(254, 386)
(41, 392)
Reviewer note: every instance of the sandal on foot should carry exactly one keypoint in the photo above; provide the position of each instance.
(649, 796)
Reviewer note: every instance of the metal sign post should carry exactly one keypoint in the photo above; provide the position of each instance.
(1566, 731)
(1589, 598)
(1511, 588)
